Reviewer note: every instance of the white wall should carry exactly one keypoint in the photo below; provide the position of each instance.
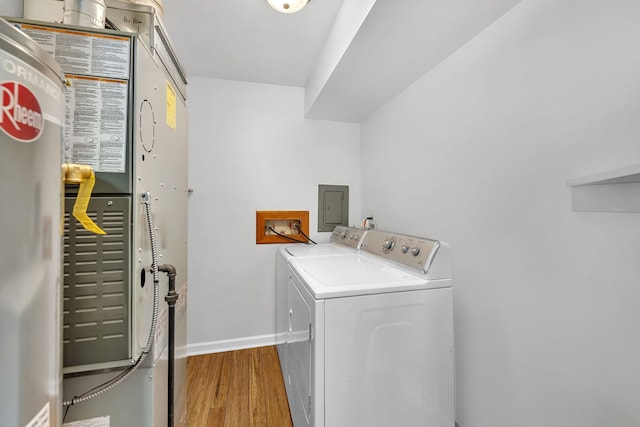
(251, 149)
(477, 153)
(11, 8)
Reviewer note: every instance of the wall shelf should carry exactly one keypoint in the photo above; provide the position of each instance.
(611, 191)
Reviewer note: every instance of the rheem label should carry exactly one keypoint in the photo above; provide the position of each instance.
(20, 114)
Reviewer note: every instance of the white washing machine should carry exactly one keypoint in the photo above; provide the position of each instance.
(370, 335)
(343, 241)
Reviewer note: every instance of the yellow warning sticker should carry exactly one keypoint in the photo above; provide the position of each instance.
(171, 107)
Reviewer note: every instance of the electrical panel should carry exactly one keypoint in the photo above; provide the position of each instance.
(333, 206)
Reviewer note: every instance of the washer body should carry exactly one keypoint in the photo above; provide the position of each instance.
(343, 241)
(370, 337)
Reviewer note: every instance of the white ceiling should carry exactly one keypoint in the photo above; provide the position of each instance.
(399, 41)
(248, 40)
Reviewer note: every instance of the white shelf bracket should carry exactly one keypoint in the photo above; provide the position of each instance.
(612, 191)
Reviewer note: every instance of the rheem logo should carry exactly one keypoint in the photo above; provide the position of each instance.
(20, 115)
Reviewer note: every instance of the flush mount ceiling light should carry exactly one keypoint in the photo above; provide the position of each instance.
(288, 6)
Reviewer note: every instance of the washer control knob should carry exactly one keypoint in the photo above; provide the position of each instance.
(404, 249)
(388, 244)
(415, 251)
(343, 234)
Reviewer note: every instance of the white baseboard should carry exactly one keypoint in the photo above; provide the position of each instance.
(229, 345)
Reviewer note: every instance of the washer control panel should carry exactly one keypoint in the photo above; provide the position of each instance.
(348, 236)
(411, 251)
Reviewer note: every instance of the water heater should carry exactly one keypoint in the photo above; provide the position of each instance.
(31, 117)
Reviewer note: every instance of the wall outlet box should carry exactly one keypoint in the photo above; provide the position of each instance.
(282, 226)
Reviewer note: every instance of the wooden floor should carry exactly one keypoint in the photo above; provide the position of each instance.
(237, 389)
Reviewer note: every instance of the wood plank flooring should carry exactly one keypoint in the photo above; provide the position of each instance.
(241, 388)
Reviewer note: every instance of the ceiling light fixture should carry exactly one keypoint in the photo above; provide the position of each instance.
(288, 6)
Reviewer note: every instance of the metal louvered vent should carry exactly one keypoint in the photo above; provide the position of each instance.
(96, 284)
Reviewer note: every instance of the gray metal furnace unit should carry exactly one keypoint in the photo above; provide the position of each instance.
(126, 117)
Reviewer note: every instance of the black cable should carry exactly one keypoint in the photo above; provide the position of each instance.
(287, 237)
(67, 411)
(104, 384)
(296, 225)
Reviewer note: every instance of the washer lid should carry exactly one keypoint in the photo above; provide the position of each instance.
(315, 250)
(350, 275)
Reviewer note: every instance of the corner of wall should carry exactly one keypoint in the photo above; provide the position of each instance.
(348, 21)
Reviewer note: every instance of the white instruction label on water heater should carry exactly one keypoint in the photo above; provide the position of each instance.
(93, 422)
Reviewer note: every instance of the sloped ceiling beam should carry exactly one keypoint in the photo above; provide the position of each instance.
(377, 48)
